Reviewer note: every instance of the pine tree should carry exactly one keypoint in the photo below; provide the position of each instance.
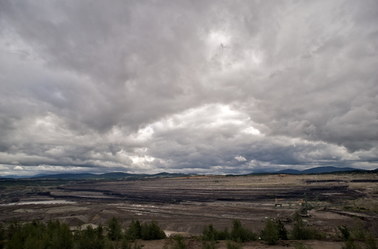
(114, 229)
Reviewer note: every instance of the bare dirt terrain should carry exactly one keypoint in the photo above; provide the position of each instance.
(195, 244)
(187, 204)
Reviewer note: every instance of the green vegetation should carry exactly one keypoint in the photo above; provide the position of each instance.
(362, 205)
(114, 229)
(37, 235)
(270, 232)
(370, 242)
(134, 230)
(179, 242)
(151, 231)
(2, 236)
(209, 244)
(273, 231)
(90, 238)
(355, 237)
(126, 244)
(145, 231)
(345, 233)
(56, 235)
(350, 244)
(211, 234)
(301, 231)
(238, 233)
(233, 245)
(176, 242)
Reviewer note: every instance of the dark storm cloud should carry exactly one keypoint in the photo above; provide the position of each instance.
(189, 86)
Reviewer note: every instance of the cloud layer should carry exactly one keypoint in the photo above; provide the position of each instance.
(187, 86)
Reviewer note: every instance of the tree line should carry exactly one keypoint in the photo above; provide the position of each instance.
(57, 235)
(273, 231)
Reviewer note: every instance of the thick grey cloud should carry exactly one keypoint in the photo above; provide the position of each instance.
(187, 86)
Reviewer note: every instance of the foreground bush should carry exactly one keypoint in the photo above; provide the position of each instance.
(151, 231)
(209, 244)
(37, 235)
(2, 236)
(233, 245)
(355, 237)
(270, 232)
(126, 244)
(176, 242)
(134, 230)
(114, 229)
(273, 231)
(303, 232)
(238, 233)
(145, 231)
(56, 235)
(211, 234)
(90, 238)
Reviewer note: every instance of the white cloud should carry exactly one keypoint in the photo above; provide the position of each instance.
(187, 86)
(18, 168)
(240, 158)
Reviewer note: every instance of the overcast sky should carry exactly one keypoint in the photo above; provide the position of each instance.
(200, 86)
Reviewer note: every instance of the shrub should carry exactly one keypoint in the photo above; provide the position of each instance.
(303, 232)
(38, 235)
(350, 244)
(238, 233)
(90, 238)
(2, 236)
(358, 233)
(176, 242)
(151, 231)
(209, 244)
(370, 242)
(223, 235)
(126, 244)
(179, 242)
(233, 245)
(344, 230)
(209, 233)
(134, 230)
(282, 232)
(270, 232)
(241, 234)
(114, 229)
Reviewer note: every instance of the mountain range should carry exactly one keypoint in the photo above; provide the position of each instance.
(106, 176)
(127, 176)
(319, 170)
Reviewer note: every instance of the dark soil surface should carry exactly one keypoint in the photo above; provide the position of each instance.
(187, 204)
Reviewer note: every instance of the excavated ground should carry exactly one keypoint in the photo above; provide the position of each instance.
(187, 204)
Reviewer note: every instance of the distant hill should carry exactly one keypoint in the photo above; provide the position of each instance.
(166, 174)
(319, 170)
(290, 172)
(127, 176)
(66, 176)
(105, 176)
